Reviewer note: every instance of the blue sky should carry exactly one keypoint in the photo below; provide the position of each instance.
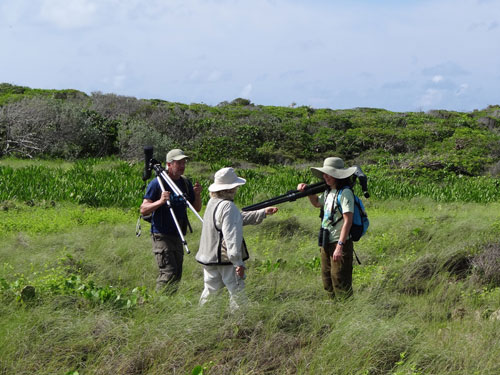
(405, 55)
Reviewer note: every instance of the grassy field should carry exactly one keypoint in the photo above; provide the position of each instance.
(77, 294)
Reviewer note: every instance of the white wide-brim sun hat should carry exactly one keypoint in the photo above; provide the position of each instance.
(333, 167)
(226, 179)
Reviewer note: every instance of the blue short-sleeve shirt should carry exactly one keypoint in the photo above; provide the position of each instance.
(162, 221)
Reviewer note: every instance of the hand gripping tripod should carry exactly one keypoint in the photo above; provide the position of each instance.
(163, 177)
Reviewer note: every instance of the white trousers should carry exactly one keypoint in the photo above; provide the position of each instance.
(216, 277)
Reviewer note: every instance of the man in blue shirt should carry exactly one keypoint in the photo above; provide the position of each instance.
(167, 244)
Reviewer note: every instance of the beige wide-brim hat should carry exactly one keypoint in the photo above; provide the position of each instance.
(226, 179)
(175, 154)
(333, 167)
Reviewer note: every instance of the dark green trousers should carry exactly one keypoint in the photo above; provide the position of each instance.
(337, 276)
(169, 255)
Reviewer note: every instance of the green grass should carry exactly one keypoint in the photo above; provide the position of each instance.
(51, 217)
(412, 312)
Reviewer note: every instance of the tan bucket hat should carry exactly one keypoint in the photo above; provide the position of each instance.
(333, 167)
(226, 179)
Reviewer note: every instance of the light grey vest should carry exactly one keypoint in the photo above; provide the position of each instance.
(212, 250)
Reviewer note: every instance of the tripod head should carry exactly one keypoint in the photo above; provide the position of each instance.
(148, 163)
(363, 181)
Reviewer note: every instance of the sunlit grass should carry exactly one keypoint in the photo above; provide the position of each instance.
(419, 306)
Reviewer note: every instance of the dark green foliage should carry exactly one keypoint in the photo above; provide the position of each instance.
(101, 134)
(70, 124)
(241, 101)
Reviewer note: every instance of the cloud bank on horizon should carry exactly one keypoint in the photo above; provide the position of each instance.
(397, 55)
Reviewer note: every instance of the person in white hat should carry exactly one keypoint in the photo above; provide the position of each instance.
(222, 250)
(336, 246)
(167, 244)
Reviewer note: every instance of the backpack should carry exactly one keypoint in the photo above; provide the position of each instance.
(360, 222)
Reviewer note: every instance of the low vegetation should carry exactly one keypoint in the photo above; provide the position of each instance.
(77, 286)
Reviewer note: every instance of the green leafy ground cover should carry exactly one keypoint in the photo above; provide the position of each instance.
(114, 183)
(77, 286)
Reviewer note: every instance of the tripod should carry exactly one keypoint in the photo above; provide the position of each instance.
(173, 186)
(163, 177)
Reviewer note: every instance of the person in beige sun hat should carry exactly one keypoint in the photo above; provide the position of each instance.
(222, 250)
(226, 179)
(336, 245)
(334, 167)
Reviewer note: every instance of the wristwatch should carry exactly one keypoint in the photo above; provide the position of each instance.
(340, 243)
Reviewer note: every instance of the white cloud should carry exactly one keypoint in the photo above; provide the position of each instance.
(492, 26)
(194, 76)
(121, 68)
(449, 68)
(437, 78)
(68, 14)
(214, 76)
(13, 12)
(118, 81)
(462, 89)
(245, 93)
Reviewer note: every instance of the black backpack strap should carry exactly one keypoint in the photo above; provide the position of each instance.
(245, 254)
(335, 207)
(322, 210)
(221, 238)
(215, 210)
(356, 255)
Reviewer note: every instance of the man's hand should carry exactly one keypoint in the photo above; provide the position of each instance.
(165, 196)
(148, 206)
(240, 271)
(197, 188)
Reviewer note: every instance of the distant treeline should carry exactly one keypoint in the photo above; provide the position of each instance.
(71, 124)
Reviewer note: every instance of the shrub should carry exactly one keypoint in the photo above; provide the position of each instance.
(487, 265)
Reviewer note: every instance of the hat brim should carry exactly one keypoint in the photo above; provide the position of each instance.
(219, 187)
(177, 158)
(334, 172)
